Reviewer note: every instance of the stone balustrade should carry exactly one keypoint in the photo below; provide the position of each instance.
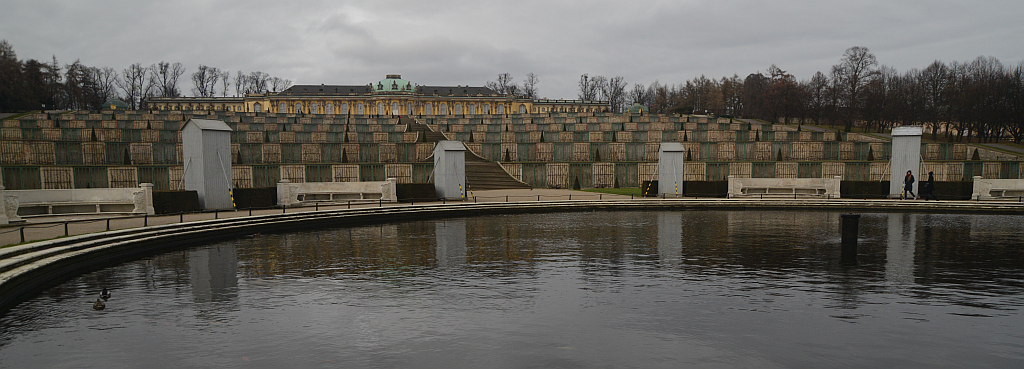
(784, 187)
(300, 194)
(34, 203)
(994, 189)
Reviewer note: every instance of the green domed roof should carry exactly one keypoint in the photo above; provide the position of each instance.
(394, 83)
(637, 109)
(115, 104)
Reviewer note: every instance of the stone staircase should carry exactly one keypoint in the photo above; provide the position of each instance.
(480, 173)
(487, 175)
(426, 134)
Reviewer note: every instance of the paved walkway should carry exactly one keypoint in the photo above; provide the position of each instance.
(43, 228)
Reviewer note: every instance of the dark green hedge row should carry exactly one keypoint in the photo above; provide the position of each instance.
(246, 198)
(173, 202)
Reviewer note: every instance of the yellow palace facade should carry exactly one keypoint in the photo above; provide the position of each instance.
(389, 96)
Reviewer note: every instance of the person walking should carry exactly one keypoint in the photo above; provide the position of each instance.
(908, 185)
(929, 188)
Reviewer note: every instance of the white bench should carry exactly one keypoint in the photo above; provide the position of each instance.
(784, 187)
(309, 193)
(38, 203)
(996, 189)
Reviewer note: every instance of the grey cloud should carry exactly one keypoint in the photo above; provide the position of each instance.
(458, 42)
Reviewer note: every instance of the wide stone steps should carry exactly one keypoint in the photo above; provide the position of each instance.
(484, 175)
(426, 134)
(480, 173)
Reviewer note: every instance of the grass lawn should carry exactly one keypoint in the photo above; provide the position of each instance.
(617, 191)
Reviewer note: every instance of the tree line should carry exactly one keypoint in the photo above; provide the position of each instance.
(982, 98)
(35, 85)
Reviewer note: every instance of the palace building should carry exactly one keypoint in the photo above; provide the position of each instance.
(389, 96)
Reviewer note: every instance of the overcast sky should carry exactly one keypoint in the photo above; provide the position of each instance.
(443, 42)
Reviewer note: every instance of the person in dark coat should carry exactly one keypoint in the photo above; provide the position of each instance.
(908, 185)
(929, 188)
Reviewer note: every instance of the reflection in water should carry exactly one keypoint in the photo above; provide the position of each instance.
(594, 289)
(670, 237)
(451, 242)
(899, 252)
(214, 273)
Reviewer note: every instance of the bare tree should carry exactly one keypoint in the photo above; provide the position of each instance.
(258, 82)
(225, 83)
(616, 94)
(853, 72)
(755, 88)
(638, 95)
(164, 77)
(600, 84)
(588, 90)
(513, 90)
(241, 84)
(132, 83)
(658, 97)
(817, 94)
(731, 90)
(204, 81)
(504, 85)
(279, 84)
(1015, 100)
(530, 85)
(935, 81)
(106, 82)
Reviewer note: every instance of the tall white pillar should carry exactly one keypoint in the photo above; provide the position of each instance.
(671, 168)
(906, 155)
(450, 170)
(206, 151)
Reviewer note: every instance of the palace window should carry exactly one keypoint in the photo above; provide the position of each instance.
(408, 108)
(472, 108)
(458, 108)
(313, 108)
(501, 109)
(359, 108)
(395, 109)
(487, 108)
(428, 109)
(380, 108)
(330, 108)
(522, 109)
(344, 108)
(298, 108)
(257, 107)
(283, 108)
(442, 109)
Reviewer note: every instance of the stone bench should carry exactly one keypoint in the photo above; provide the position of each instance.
(784, 187)
(996, 189)
(38, 203)
(309, 193)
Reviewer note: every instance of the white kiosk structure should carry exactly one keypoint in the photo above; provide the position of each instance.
(450, 170)
(206, 152)
(671, 169)
(906, 155)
